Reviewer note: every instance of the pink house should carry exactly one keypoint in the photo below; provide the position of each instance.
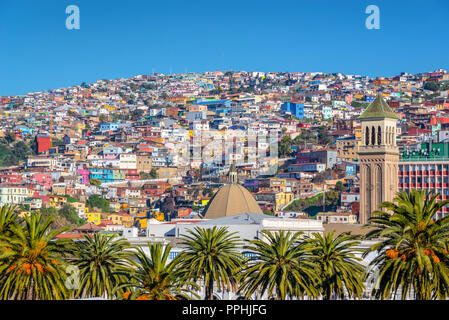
(43, 179)
(85, 176)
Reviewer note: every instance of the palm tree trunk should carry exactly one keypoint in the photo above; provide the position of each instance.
(209, 290)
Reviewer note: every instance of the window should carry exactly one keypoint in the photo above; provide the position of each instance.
(379, 136)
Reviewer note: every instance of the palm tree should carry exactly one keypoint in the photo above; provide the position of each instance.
(278, 265)
(104, 262)
(412, 256)
(338, 267)
(8, 219)
(155, 279)
(210, 255)
(31, 262)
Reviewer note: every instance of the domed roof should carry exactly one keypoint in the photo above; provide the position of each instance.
(230, 200)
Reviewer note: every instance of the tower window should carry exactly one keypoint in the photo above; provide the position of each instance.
(367, 136)
(373, 136)
(379, 136)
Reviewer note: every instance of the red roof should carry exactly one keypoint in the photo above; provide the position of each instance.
(73, 235)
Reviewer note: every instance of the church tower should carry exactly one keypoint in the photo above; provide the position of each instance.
(378, 156)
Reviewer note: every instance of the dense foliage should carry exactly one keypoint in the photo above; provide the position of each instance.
(411, 260)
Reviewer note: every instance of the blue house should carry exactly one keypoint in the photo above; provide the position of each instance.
(219, 106)
(296, 109)
(104, 175)
(369, 99)
(108, 127)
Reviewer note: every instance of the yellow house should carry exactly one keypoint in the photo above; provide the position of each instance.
(347, 148)
(123, 219)
(274, 184)
(159, 216)
(94, 217)
(278, 198)
(80, 208)
(282, 198)
(57, 201)
(142, 218)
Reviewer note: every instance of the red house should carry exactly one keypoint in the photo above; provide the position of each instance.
(43, 143)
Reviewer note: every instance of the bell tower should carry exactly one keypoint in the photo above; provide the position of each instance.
(378, 156)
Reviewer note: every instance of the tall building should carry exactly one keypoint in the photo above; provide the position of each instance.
(378, 156)
(426, 168)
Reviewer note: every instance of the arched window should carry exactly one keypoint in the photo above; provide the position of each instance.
(367, 136)
(387, 135)
(379, 136)
(393, 138)
(373, 136)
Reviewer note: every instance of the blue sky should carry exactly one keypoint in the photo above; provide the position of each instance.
(125, 38)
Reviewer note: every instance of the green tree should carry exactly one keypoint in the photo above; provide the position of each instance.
(413, 253)
(332, 198)
(323, 136)
(21, 150)
(104, 262)
(339, 186)
(7, 156)
(210, 255)
(280, 266)
(338, 268)
(95, 182)
(156, 279)
(8, 220)
(136, 114)
(284, 146)
(144, 175)
(96, 201)
(10, 137)
(69, 212)
(431, 85)
(32, 264)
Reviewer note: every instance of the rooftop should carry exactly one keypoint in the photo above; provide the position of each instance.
(378, 109)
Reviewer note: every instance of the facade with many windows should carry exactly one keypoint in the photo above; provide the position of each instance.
(431, 175)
